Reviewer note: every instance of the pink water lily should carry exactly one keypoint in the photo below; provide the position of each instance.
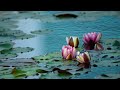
(68, 52)
(92, 41)
(83, 57)
(72, 41)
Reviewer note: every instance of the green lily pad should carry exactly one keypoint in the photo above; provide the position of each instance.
(6, 56)
(66, 15)
(13, 33)
(4, 29)
(17, 50)
(25, 36)
(48, 57)
(22, 72)
(41, 71)
(6, 38)
(116, 61)
(18, 73)
(6, 46)
(109, 76)
(17, 62)
(41, 32)
(50, 75)
(116, 43)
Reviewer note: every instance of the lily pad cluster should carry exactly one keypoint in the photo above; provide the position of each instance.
(52, 66)
(7, 37)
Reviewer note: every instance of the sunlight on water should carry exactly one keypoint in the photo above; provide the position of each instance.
(27, 25)
(37, 42)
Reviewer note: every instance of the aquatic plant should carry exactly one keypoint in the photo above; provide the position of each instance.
(72, 41)
(92, 41)
(68, 52)
(83, 57)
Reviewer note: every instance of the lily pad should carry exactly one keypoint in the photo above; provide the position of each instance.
(6, 46)
(25, 36)
(6, 56)
(116, 43)
(16, 62)
(41, 32)
(18, 72)
(41, 71)
(66, 15)
(108, 76)
(50, 75)
(6, 39)
(17, 50)
(48, 57)
(12, 32)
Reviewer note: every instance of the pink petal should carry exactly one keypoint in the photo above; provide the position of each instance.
(98, 37)
(98, 46)
(65, 53)
(67, 40)
(89, 35)
(85, 41)
(93, 37)
(86, 38)
(74, 53)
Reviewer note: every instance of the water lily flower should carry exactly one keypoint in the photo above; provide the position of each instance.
(83, 57)
(91, 41)
(72, 41)
(68, 52)
(98, 46)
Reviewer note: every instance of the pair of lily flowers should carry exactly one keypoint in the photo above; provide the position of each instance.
(91, 42)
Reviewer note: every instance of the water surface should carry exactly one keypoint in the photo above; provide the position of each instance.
(109, 26)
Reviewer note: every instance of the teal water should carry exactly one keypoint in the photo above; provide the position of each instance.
(109, 26)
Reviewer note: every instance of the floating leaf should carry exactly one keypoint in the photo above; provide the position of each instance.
(41, 32)
(12, 33)
(109, 76)
(6, 38)
(25, 36)
(6, 56)
(18, 73)
(16, 62)
(48, 57)
(116, 43)
(41, 71)
(51, 75)
(17, 50)
(62, 72)
(66, 15)
(104, 75)
(116, 61)
(6, 46)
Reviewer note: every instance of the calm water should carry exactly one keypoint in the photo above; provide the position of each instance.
(109, 26)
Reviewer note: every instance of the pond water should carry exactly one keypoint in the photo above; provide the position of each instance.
(47, 44)
(109, 26)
